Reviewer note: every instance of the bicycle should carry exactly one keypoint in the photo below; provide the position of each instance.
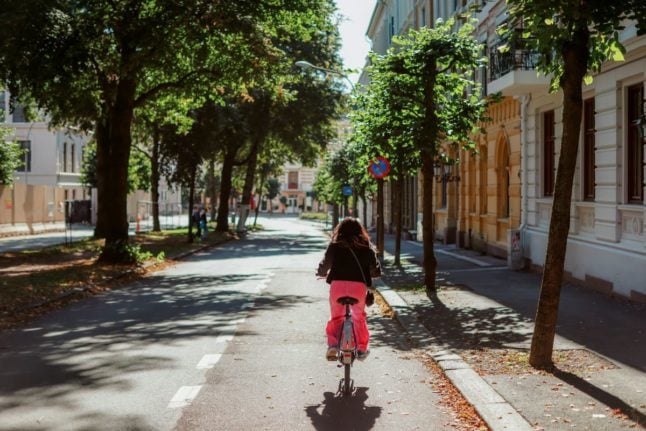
(347, 348)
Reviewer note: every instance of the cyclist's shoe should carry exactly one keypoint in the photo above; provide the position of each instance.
(362, 355)
(332, 353)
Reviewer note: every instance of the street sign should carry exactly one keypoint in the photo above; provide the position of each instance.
(379, 168)
(347, 191)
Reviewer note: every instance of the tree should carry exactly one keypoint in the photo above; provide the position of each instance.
(383, 126)
(10, 159)
(95, 63)
(429, 71)
(573, 39)
(139, 169)
(185, 150)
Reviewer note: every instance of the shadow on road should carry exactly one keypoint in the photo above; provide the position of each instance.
(104, 339)
(338, 412)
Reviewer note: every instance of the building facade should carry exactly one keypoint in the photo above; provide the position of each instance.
(506, 186)
(50, 173)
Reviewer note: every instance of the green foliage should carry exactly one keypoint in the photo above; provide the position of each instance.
(548, 27)
(273, 188)
(139, 169)
(332, 176)
(10, 158)
(88, 166)
(398, 116)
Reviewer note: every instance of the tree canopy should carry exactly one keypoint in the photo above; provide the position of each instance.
(94, 63)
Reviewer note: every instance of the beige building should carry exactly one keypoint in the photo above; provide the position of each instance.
(505, 190)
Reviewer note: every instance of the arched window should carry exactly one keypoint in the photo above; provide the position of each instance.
(502, 173)
(472, 196)
(483, 179)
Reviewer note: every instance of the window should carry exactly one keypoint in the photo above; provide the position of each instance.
(635, 146)
(483, 179)
(25, 164)
(503, 179)
(548, 153)
(64, 156)
(391, 29)
(19, 114)
(73, 158)
(292, 180)
(444, 192)
(472, 185)
(588, 149)
(3, 102)
(423, 20)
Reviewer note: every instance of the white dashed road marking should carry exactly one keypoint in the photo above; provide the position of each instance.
(208, 361)
(184, 396)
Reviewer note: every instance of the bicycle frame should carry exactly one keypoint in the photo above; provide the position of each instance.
(347, 345)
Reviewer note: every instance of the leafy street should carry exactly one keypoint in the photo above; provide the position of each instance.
(202, 324)
(243, 321)
(172, 173)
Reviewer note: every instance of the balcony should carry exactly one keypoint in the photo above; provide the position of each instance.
(513, 72)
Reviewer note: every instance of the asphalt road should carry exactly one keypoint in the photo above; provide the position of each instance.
(230, 339)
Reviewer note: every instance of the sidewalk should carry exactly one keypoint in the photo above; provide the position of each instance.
(18, 229)
(479, 326)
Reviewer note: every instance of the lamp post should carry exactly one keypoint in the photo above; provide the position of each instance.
(304, 65)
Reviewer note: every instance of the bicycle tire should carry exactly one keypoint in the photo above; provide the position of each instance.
(346, 386)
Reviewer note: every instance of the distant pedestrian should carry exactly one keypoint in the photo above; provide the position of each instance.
(196, 220)
(203, 224)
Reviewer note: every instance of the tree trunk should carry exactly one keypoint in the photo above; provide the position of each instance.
(225, 191)
(154, 180)
(335, 215)
(114, 172)
(380, 217)
(430, 262)
(191, 204)
(428, 155)
(398, 219)
(365, 209)
(263, 178)
(575, 54)
(212, 191)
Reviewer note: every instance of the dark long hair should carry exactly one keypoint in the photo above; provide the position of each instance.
(351, 233)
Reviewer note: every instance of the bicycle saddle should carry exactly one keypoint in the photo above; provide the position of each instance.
(347, 300)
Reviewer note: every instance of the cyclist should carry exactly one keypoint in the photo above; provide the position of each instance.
(349, 264)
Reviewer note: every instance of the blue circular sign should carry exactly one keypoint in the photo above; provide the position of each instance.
(379, 168)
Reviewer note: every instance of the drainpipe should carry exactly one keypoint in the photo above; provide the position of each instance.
(524, 103)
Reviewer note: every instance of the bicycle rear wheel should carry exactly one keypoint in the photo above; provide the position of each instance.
(347, 387)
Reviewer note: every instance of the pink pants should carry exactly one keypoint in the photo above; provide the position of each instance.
(355, 289)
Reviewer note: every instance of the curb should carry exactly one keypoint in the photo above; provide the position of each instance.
(490, 405)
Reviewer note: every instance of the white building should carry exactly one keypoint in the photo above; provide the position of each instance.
(50, 173)
(607, 243)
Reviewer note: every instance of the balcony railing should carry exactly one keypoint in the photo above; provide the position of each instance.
(502, 63)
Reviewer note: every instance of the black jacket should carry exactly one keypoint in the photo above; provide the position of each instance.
(342, 265)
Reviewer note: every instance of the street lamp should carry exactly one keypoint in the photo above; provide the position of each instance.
(304, 65)
(444, 172)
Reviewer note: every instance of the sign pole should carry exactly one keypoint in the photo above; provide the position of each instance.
(380, 217)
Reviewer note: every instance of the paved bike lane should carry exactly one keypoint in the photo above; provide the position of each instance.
(273, 375)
